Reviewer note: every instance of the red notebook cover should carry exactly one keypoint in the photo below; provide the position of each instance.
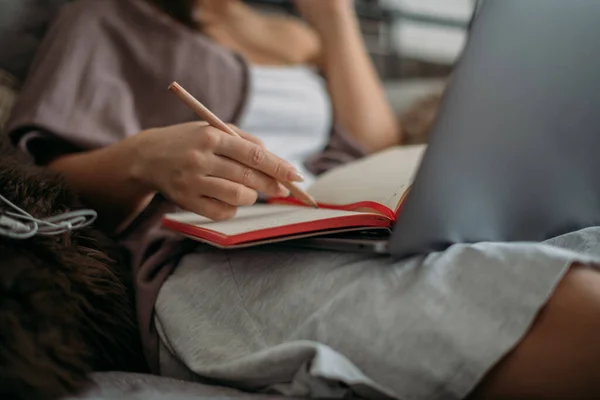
(371, 215)
(287, 232)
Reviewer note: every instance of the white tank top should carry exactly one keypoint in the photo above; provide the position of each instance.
(289, 109)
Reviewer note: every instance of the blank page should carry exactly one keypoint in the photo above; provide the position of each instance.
(382, 178)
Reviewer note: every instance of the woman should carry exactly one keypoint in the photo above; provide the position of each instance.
(486, 320)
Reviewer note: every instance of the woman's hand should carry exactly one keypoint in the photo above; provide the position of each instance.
(207, 171)
(319, 13)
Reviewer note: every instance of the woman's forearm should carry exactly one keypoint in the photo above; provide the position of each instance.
(105, 180)
(358, 97)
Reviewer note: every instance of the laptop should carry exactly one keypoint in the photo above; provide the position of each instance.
(514, 153)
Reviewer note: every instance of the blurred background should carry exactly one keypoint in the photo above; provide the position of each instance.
(407, 38)
(414, 45)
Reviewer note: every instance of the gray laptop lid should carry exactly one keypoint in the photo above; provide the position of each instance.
(515, 152)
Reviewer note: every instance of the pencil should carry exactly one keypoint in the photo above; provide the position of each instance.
(215, 122)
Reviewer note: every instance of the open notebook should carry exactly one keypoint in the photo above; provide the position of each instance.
(366, 194)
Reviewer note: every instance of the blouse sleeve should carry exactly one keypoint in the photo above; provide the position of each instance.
(44, 147)
(340, 150)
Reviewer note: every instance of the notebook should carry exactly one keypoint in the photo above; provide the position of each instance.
(363, 195)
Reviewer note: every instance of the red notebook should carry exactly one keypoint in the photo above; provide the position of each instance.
(365, 194)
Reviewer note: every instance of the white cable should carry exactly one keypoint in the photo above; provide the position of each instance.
(21, 225)
(15, 229)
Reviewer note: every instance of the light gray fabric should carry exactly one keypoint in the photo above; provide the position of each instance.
(324, 324)
(127, 386)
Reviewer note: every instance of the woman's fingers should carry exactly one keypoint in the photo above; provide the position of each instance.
(258, 158)
(207, 206)
(247, 136)
(215, 209)
(234, 171)
(228, 192)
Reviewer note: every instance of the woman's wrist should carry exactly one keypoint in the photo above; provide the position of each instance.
(133, 157)
(329, 16)
(339, 25)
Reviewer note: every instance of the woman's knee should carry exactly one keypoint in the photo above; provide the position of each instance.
(560, 355)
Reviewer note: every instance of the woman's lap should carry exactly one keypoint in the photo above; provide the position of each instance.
(314, 323)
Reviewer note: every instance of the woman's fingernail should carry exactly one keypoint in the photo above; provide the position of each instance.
(296, 177)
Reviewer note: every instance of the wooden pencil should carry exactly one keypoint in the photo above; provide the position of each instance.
(215, 122)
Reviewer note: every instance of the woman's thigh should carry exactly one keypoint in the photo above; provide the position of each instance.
(559, 358)
(311, 323)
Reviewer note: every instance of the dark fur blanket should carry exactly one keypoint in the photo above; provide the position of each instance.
(65, 304)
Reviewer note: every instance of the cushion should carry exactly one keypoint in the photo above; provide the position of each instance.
(23, 24)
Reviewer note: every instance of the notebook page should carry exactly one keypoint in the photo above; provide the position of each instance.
(259, 217)
(382, 177)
